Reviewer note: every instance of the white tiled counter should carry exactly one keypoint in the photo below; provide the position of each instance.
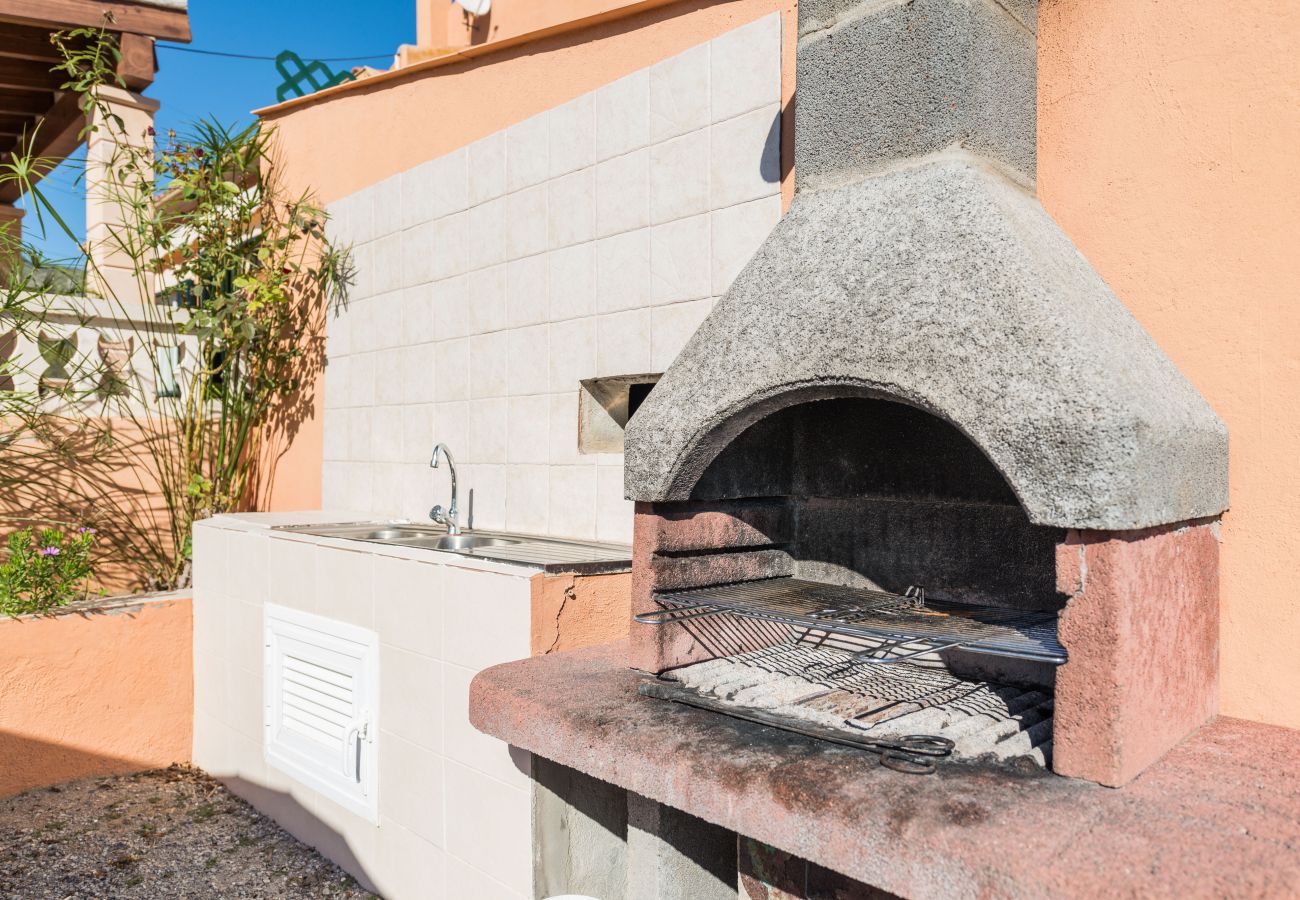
(454, 805)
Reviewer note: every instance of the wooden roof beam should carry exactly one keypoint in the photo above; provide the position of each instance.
(133, 18)
(58, 136)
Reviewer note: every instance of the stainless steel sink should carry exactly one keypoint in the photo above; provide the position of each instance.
(471, 542)
(547, 553)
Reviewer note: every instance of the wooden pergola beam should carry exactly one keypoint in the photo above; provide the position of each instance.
(133, 18)
(26, 42)
(25, 75)
(26, 103)
(58, 135)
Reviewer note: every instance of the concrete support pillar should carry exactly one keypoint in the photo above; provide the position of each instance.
(11, 237)
(579, 834)
(672, 855)
(111, 179)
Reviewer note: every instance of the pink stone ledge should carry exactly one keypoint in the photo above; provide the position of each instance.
(1219, 816)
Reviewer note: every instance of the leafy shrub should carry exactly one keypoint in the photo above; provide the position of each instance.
(44, 570)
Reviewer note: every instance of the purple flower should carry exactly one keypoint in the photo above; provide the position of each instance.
(50, 551)
(86, 530)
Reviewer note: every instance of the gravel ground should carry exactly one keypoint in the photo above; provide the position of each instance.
(169, 833)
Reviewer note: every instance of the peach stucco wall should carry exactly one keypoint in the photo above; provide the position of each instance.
(1168, 136)
(1167, 151)
(95, 694)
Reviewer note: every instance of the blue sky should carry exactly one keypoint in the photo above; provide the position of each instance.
(192, 86)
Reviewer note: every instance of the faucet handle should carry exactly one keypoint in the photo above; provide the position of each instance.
(438, 514)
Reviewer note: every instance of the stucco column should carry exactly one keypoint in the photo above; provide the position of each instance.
(110, 180)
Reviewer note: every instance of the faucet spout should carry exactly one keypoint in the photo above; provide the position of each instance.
(451, 515)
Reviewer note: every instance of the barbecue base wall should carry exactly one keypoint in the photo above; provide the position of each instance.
(1142, 630)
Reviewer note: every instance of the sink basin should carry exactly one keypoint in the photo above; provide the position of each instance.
(468, 542)
(388, 534)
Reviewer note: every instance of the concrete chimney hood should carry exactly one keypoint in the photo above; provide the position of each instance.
(916, 265)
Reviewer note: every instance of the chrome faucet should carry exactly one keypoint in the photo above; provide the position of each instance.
(448, 516)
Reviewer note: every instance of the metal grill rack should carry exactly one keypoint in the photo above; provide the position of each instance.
(910, 622)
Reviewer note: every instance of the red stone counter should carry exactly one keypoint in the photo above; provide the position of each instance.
(1219, 816)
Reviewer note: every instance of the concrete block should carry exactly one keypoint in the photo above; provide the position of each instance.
(884, 82)
(1008, 334)
(579, 834)
(672, 855)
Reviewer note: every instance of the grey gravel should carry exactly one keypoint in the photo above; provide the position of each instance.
(167, 833)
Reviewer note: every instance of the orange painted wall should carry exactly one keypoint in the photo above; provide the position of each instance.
(95, 694)
(1169, 150)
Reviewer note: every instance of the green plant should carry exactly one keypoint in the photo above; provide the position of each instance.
(45, 569)
(233, 276)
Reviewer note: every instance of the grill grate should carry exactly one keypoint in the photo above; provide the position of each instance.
(863, 613)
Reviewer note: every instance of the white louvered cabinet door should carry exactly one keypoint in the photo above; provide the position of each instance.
(321, 705)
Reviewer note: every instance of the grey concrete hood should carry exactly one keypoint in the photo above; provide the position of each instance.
(938, 280)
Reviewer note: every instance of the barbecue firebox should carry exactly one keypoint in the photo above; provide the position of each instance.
(920, 434)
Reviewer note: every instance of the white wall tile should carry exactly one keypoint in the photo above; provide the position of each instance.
(679, 94)
(408, 603)
(488, 430)
(573, 353)
(463, 880)
(585, 241)
(527, 495)
(363, 282)
(486, 240)
(419, 430)
(623, 193)
(291, 568)
(529, 353)
(451, 369)
(679, 177)
(416, 373)
(360, 389)
(526, 222)
(623, 271)
(450, 183)
(386, 206)
(386, 431)
(417, 314)
(410, 696)
(623, 343)
(528, 152)
(572, 281)
(571, 208)
(496, 835)
(529, 429)
(573, 135)
(613, 512)
(484, 493)
(468, 746)
(345, 586)
(486, 299)
(417, 194)
(386, 264)
(527, 290)
(745, 157)
(736, 233)
(573, 501)
(679, 260)
(451, 308)
(452, 421)
(411, 785)
(564, 429)
(389, 388)
(410, 868)
(487, 168)
(449, 245)
(672, 326)
(485, 618)
(623, 115)
(746, 68)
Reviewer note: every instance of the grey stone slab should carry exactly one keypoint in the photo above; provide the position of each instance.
(889, 81)
(945, 286)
